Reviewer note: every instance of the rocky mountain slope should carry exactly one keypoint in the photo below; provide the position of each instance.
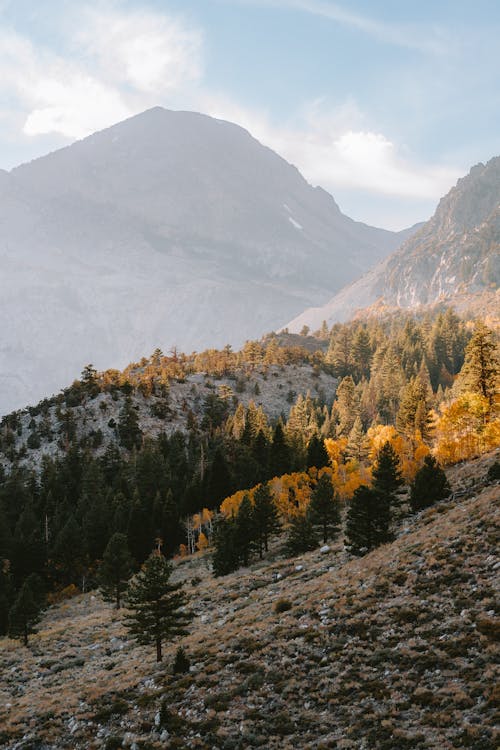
(390, 651)
(171, 228)
(454, 257)
(95, 420)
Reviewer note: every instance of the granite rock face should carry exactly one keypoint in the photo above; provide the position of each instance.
(454, 256)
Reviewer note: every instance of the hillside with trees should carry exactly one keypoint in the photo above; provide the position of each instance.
(291, 436)
(392, 650)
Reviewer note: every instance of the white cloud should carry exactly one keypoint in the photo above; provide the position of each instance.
(119, 63)
(153, 53)
(74, 105)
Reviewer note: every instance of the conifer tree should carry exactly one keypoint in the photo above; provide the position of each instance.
(157, 606)
(279, 459)
(386, 474)
(6, 593)
(324, 508)
(220, 482)
(69, 559)
(244, 530)
(181, 662)
(265, 517)
(139, 532)
(316, 453)
(346, 405)
(115, 569)
(367, 523)
(481, 370)
(301, 535)
(260, 452)
(361, 354)
(356, 444)
(24, 613)
(429, 486)
(128, 426)
(225, 557)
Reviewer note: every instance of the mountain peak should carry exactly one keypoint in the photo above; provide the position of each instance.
(170, 228)
(453, 257)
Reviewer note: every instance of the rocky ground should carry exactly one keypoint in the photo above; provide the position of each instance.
(395, 650)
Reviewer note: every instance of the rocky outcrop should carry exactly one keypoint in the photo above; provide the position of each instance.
(455, 255)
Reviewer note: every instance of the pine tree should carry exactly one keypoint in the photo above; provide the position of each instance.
(139, 532)
(346, 405)
(481, 370)
(6, 593)
(128, 426)
(301, 535)
(260, 452)
(316, 453)
(413, 413)
(361, 354)
(244, 530)
(386, 474)
(429, 486)
(225, 557)
(279, 460)
(265, 517)
(69, 558)
(181, 662)
(157, 606)
(357, 439)
(220, 484)
(115, 569)
(367, 523)
(24, 613)
(324, 508)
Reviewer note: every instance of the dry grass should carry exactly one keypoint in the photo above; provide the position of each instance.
(392, 651)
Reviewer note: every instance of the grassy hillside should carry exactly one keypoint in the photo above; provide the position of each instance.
(394, 650)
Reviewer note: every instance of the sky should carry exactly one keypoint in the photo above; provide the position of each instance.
(384, 103)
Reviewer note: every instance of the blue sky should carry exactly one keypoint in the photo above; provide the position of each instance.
(385, 103)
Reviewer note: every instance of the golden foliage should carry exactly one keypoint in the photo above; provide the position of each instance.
(464, 429)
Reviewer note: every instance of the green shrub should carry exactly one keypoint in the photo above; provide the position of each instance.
(282, 605)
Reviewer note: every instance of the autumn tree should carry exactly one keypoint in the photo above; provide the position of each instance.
(115, 569)
(157, 606)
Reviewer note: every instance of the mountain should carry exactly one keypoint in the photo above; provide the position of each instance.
(454, 257)
(171, 228)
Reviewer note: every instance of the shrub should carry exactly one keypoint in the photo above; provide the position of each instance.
(181, 662)
(494, 472)
(282, 605)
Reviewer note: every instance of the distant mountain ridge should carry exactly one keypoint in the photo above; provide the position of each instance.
(171, 228)
(454, 257)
